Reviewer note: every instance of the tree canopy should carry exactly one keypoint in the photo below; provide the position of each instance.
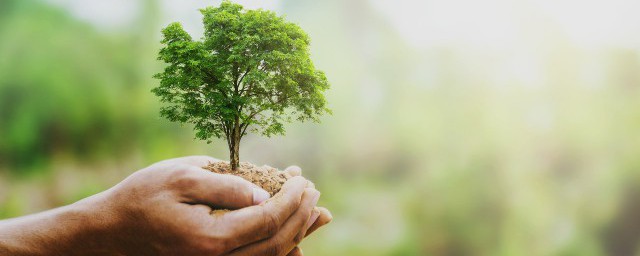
(251, 71)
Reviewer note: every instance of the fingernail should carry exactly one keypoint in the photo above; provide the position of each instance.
(259, 195)
(314, 216)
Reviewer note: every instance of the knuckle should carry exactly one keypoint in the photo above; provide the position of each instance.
(179, 169)
(271, 222)
(294, 204)
(182, 178)
(298, 238)
(274, 249)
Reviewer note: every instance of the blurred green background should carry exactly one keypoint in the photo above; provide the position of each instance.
(460, 127)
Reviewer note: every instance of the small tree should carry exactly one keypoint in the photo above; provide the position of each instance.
(250, 72)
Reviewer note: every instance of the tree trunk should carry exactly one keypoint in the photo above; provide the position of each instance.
(234, 150)
(235, 155)
(234, 158)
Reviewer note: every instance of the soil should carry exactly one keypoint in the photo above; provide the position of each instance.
(267, 177)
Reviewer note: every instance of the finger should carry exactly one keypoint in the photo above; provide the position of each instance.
(294, 170)
(288, 237)
(263, 221)
(324, 219)
(198, 161)
(220, 191)
(295, 252)
(315, 213)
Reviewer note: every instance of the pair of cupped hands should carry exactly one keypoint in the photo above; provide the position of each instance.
(166, 209)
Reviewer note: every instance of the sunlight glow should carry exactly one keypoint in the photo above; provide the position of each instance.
(501, 23)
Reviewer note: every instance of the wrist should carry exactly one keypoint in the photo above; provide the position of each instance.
(76, 229)
(98, 225)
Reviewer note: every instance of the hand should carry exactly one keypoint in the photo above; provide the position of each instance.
(164, 209)
(321, 216)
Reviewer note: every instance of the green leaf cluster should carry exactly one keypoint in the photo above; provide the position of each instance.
(251, 71)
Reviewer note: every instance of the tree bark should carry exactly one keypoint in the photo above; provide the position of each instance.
(235, 155)
(234, 148)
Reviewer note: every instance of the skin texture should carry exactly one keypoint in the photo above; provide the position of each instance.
(164, 209)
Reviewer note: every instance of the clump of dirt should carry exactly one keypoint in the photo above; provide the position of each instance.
(266, 177)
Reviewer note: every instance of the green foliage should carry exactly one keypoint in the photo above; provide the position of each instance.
(251, 70)
(68, 89)
(55, 83)
(426, 157)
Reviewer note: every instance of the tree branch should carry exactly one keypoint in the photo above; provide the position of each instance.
(245, 74)
(247, 121)
(242, 78)
(210, 76)
(213, 82)
(226, 133)
(243, 128)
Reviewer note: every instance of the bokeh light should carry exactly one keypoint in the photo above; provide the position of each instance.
(460, 127)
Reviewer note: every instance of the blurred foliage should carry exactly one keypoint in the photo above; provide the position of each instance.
(452, 149)
(55, 85)
(65, 88)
